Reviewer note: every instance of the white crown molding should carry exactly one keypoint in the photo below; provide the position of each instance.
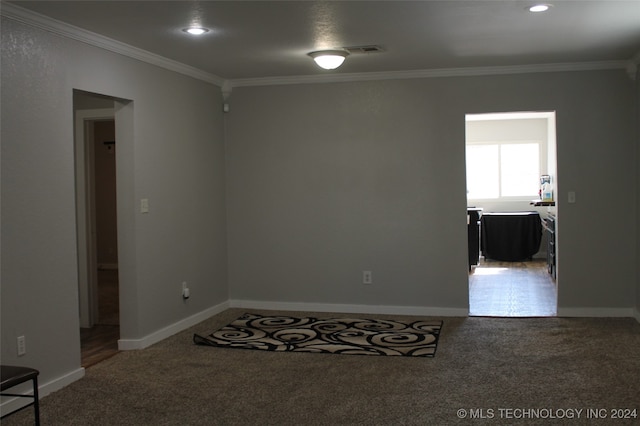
(63, 29)
(66, 30)
(432, 73)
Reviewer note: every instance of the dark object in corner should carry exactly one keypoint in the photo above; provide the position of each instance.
(13, 376)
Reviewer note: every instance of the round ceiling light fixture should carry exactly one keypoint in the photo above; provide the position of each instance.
(539, 8)
(196, 30)
(329, 59)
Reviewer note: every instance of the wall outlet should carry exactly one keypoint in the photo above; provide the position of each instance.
(144, 205)
(22, 346)
(367, 277)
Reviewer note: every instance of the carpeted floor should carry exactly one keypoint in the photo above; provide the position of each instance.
(494, 370)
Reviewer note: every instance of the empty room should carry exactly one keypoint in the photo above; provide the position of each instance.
(301, 171)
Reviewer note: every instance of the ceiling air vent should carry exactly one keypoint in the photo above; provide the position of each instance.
(356, 50)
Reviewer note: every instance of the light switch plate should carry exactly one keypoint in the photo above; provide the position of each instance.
(144, 205)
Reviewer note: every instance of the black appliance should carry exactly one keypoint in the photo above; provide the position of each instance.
(550, 229)
(473, 231)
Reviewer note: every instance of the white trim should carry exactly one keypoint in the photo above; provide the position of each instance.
(157, 336)
(70, 31)
(14, 403)
(518, 115)
(46, 23)
(415, 310)
(58, 383)
(597, 312)
(432, 73)
(351, 309)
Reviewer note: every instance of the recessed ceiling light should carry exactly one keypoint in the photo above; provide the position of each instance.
(196, 30)
(539, 8)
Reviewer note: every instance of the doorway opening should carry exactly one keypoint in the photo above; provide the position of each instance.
(98, 286)
(512, 248)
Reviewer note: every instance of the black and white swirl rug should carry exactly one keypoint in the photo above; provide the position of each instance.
(351, 336)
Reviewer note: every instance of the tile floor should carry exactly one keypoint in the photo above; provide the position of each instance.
(512, 289)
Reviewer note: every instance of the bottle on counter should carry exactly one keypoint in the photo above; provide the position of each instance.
(547, 192)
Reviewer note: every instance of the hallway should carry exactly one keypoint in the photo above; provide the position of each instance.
(101, 341)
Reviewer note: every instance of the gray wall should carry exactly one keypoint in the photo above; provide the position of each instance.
(327, 180)
(176, 160)
(323, 181)
(637, 82)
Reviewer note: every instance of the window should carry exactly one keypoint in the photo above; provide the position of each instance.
(503, 170)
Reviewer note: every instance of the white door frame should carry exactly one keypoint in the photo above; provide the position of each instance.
(552, 164)
(85, 213)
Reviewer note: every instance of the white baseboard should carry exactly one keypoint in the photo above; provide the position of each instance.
(44, 389)
(155, 337)
(351, 309)
(416, 310)
(133, 344)
(597, 312)
(14, 403)
(11, 404)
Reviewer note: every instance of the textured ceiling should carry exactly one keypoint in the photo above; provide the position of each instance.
(256, 39)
